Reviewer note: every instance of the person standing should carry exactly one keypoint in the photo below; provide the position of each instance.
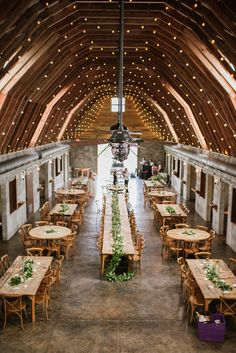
(126, 177)
(154, 169)
(115, 179)
(91, 184)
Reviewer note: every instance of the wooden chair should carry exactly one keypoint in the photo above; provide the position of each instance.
(67, 243)
(199, 226)
(227, 306)
(184, 269)
(173, 220)
(181, 261)
(157, 216)
(202, 255)
(42, 297)
(166, 202)
(71, 202)
(194, 298)
(136, 258)
(41, 223)
(26, 228)
(43, 293)
(232, 265)
(54, 246)
(208, 243)
(74, 227)
(181, 225)
(14, 305)
(184, 208)
(34, 251)
(163, 235)
(191, 247)
(77, 219)
(62, 223)
(176, 248)
(26, 240)
(5, 262)
(56, 270)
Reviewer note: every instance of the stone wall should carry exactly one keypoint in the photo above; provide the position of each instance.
(84, 157)
(152, 150)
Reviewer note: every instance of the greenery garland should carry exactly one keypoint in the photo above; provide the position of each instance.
(118, 247)
(212, 275)
(27, 270)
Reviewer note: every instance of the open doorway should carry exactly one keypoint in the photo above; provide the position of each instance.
(29, 195)
(107, 164)
(223, 211)
(192, 182)
(42, 182)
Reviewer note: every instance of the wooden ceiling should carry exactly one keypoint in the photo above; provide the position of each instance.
(59, 69)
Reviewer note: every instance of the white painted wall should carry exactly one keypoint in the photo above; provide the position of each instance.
(12, 222)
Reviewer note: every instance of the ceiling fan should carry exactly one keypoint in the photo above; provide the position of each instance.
(121, 139)
(116, 127)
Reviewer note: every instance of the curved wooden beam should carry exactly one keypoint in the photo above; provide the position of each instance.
(189, 114)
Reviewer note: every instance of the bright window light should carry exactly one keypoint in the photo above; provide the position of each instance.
(114, 104)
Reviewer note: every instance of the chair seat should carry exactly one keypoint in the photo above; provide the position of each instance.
(197, 300)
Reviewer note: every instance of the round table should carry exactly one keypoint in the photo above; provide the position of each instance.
(71, 192)
(181, 234)
(49, 232)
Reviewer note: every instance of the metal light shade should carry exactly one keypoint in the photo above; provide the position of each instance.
(120, 151)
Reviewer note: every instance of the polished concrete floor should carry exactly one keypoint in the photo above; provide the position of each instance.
(144, 315)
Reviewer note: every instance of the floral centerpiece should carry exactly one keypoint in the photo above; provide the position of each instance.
(26, 272)
(63, 207)
(170, 209)
(213, 276)
(189, 232)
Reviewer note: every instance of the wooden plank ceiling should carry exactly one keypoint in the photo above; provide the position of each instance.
(59, 69)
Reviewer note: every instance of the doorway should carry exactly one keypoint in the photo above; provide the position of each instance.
(192, 182)
(106, 164)
(223, 211)
(29, 195)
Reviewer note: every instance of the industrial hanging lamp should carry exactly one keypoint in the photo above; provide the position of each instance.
(120, 140)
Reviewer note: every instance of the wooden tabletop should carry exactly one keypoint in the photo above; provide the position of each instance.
(82, 181)
(115, 187)
(57, 210)
(209, 291)
(73, 192)
(164, 213)
(44, 232)
(152, 184)
(181, 234)
(161, 194)
(31, 285)
(125, 228)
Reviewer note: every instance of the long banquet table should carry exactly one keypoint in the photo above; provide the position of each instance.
(125, 230)
(31, 285)
(209, 291)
